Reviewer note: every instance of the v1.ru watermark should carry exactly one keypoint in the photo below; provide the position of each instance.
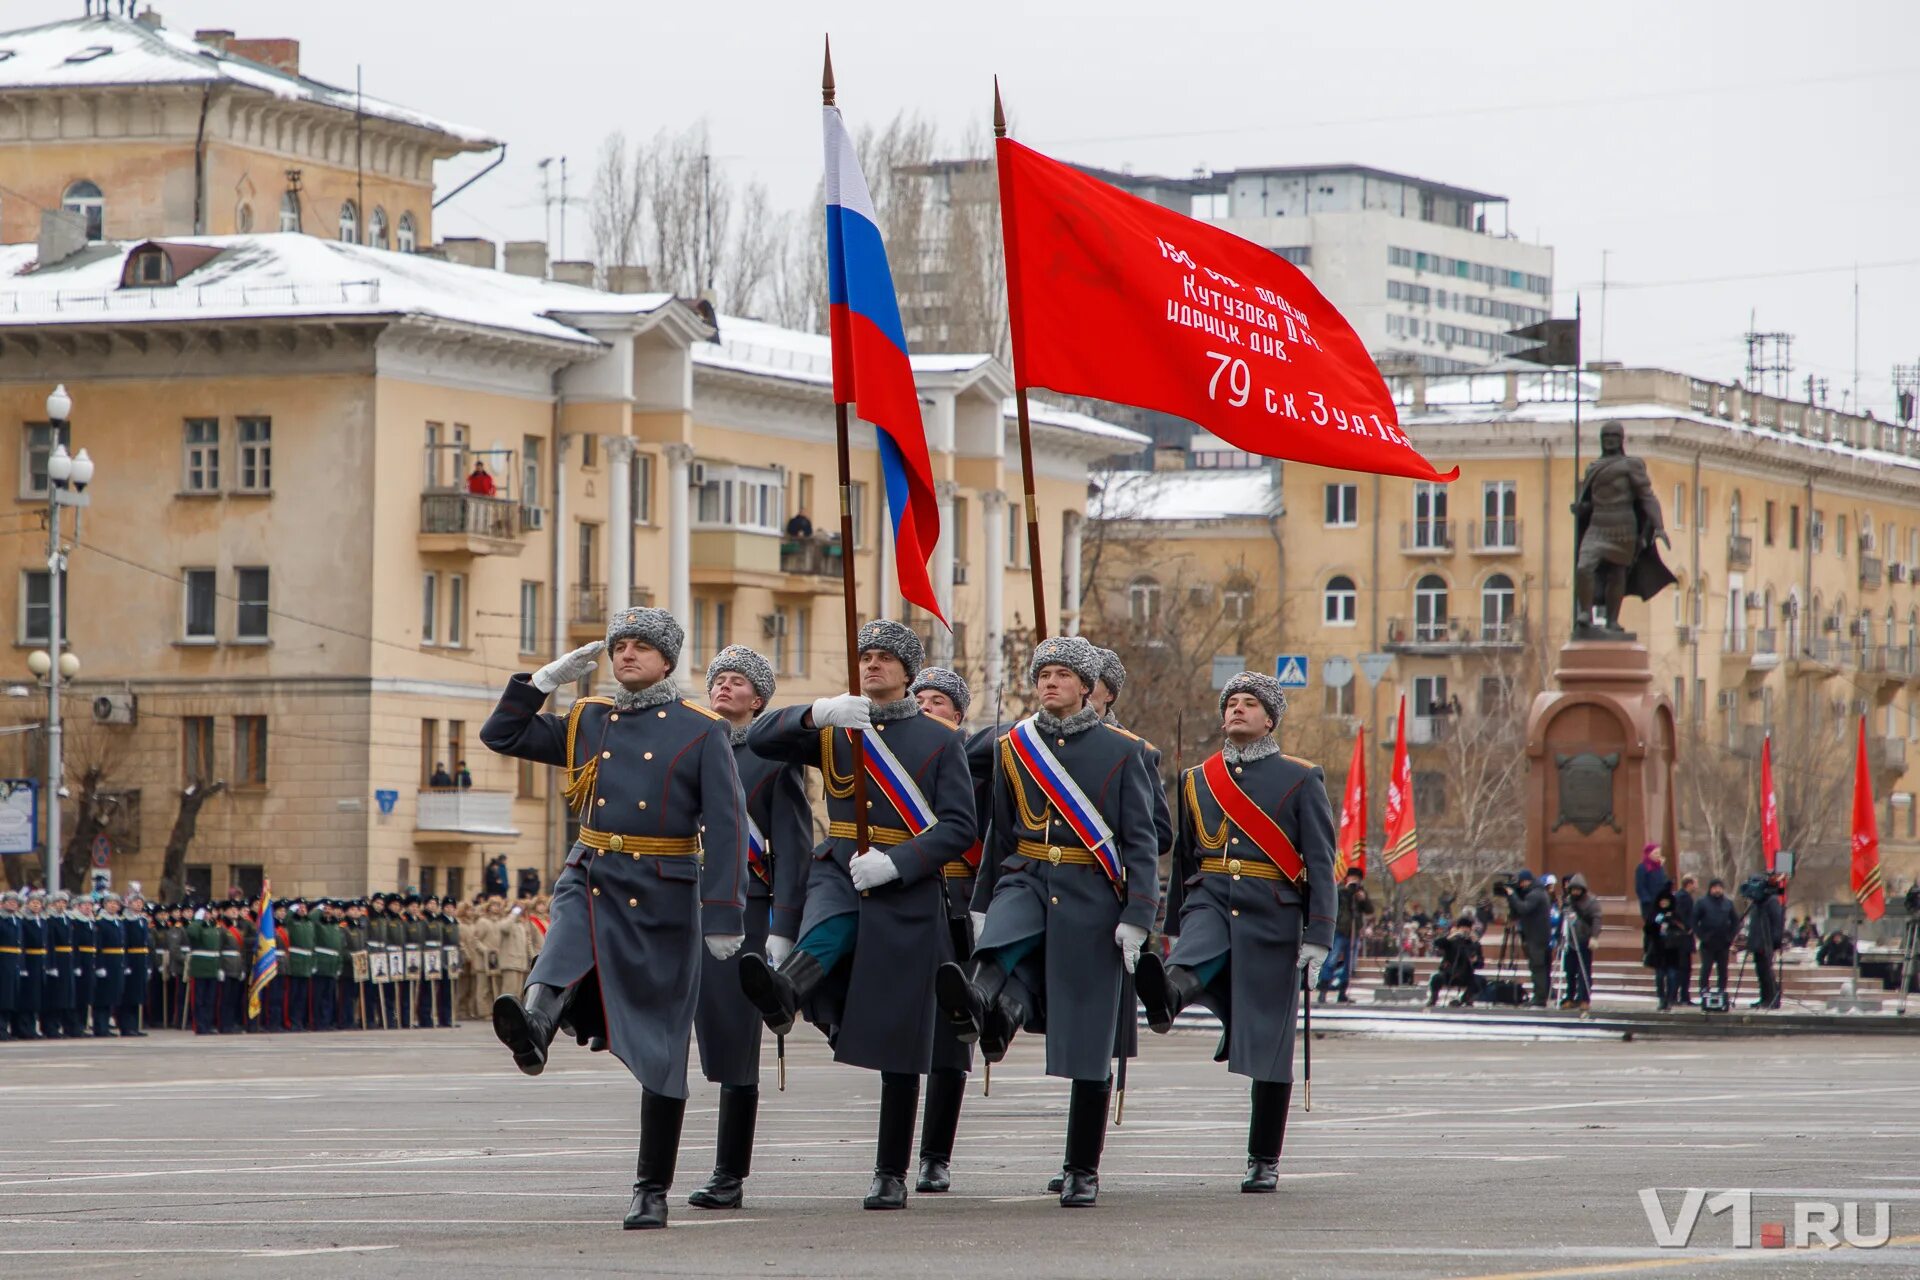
(1827, 1223)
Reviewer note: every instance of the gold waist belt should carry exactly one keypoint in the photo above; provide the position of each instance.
(113, 951)
(1055, 853)
(1258, 868)
(638, 846)
(881, 836)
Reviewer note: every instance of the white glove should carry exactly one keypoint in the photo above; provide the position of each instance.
(979, 919)
(724, 946)
(1312, 956)
(1129, 938)
(870, 869)
(778, 949)
(843, 711)
(579, 664)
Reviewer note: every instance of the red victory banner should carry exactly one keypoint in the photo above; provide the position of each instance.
(1120, 299)
(1769, 806)
(1350, 852)
(1869, 890)
(1402, 843)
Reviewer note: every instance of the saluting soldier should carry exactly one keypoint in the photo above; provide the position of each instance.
(943, 695)
(661, 862)
(874, 927)
(57, 990)
(11, 964)
(33, 968)
(109, 964)
(1251, 903)
(136, 933)
(1069, 887)
(726, 1026)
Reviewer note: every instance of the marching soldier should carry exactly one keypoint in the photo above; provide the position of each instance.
(873, 929)
(31, 988)
(296, 966)
(109, 964)
(661, 865)
(136, 930)
(204, 967)
(11, 966)
(1069, 888)
(779, 841)
(57, 989)
(329, 941)
(1251, 904)
(943, 695)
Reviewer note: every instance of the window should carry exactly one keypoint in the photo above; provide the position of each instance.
(1143, 601)
(1699, 700)
(527, 779)
(1016, 536)
(256, 454)
(642, 488)
(745, 498)
(1429, 700)
(36, 606)
(1678, 518)
(290, 211)
(1430, 608)
(802, 636)
(1840, 543)
(199, 605)
(350, 222)
(250, 615)
(377, 228)
(407, 237)
(1343, 506)
(429, 751)
(699, 630)
(151, 268)
(529, 617)
(587, 561)
(1340, 602)
(1430, 516)
(723, 626)
(857, 504)
(1766, 523)
(429, 880)
(196, 749)
(780, 648)
(1496, 608)
(456, 610)
(36, 442)
(250, 878)
(84, 198)
(1236, 600)
(203, 455)
(429, 607)
(1793, 526)
(589, 451)
(1499, 515)
(531, 491)
(1339, 702)
(250, 751)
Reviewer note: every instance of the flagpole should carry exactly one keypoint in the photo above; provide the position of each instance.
(843, 456)
(1035, 572)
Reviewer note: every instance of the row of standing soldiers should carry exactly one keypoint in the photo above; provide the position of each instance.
(72, 966)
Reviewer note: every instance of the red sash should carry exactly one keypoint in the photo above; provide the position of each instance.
(1252, 820)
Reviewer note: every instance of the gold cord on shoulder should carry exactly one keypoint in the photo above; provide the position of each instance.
(838, 785)
(1213, 840)
(579, 778)
(1035, 820)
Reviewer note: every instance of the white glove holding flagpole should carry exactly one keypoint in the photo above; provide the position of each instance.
(1312, 956)
(870, 869)
(843, 711)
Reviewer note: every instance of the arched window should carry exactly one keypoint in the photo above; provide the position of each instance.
(85, 199)
(377, 228)
(290, 211)
(1496, 609)
(1769, 638)
(1236, 600)
(406, 239)
(1430, 608)
(350, 222)
(1733, 515)
(1143, 600)
(1339, 603)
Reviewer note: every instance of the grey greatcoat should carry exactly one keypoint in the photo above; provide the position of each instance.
(1126, 1043)
(949, 1054)
(880, 1005)
(1076, 974)
(1257, 923)
(726, 1025)
(663, 770)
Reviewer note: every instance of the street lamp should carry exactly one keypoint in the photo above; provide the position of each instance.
(68, 476)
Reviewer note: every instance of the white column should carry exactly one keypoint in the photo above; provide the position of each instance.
(993, 514)
(942, 570)
(679, 533)
(1070, 574)
(620, 450)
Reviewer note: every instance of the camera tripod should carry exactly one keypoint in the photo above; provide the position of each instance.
(1567, 948)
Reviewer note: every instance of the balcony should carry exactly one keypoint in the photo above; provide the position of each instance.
(1739, 552)
(1455, 636)
(1422, 731)
(1888, 664)
(724, 557)
(1819, 656)
(469, 524)
(447, 816)
(1889, 755)
(1426, 538)
(1754, 652)
(1872, 572)
(1496, 538)
(816, 557)
(587, 610)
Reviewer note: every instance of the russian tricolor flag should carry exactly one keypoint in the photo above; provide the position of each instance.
(871, 371)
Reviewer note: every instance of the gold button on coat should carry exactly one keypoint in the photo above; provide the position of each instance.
(643, 804)
(606, 755)
(596, 891)
(614, 716)
(633, 902)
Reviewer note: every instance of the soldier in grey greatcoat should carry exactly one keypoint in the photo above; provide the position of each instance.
(1069, 887)
(661, 861)
(874, 928)
(1251, 910)
(780, 839)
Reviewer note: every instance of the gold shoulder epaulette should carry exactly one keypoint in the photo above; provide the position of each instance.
(1299, 760)
(951, 724)
(600, 698)
(1126, 733)
(708, 712)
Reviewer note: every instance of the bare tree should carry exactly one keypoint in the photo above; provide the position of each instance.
(616, 207)
(186, 820)
(90, 767)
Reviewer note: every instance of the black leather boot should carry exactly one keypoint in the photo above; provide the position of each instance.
(945, 1089)
(660, 1119)
(526, 1023)
(1164, 990)
(1265, 1132)
(1006, 1015)
(1086, 1138)
(965, 995)
(778, 993)
(899, 1099)
(733, 1161)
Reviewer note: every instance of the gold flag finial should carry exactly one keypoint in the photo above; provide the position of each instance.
(826, 76)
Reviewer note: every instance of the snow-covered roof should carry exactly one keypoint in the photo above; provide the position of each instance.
(1187, 495)
(767, 350)
(289, 275)
(1041, 413)
(102, 52)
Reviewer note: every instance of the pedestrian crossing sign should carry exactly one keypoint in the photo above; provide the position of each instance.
(1291, 668)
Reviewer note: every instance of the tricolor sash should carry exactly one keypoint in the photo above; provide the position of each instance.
(1065, 795)
(896, 783)
(1250, 818)
(756, 850)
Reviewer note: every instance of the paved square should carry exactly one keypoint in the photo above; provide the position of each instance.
(424, 1153)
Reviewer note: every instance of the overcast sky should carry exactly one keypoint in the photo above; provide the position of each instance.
(1734, 157)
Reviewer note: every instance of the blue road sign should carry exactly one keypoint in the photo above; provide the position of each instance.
(1291, 668)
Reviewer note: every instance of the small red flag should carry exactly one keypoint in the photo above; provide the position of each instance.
(1121, 299)
(1769, 806)
(1401, 847)
(1351, 851)
(1868, 888)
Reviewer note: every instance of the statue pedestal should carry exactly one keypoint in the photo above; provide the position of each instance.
(1600, 757)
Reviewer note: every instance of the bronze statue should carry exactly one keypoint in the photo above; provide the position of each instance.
(1616, 522)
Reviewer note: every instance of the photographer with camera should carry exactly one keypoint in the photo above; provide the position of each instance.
(1580, 919)
(1715, 925)
(1460, 959)
(1766, 932)
(1529, 909)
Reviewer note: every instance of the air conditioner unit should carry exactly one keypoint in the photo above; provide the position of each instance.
(1896, 572)
(1753, 600)
(773, 625)
(697, 474)
(1683, 634)
(116, 708)
(533, 519)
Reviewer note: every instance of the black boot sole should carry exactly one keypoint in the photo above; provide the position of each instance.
(510, 1024)
(763, 990)
(957, 999)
